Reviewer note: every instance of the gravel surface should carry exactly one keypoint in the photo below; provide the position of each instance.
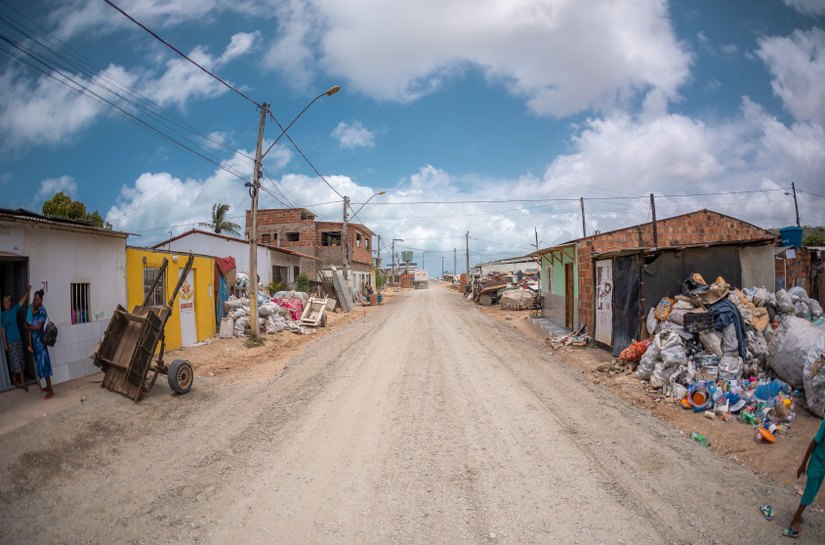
(422, 422)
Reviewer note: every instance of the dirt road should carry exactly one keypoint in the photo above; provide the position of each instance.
(424, 422)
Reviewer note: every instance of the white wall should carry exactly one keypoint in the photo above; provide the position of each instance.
(523, 266)
(205, 244)
(58, 258)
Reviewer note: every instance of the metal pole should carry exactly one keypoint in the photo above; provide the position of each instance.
(467, 250)
(795, 204)
(455, 261)
(653, 216)
(584, 227)
(442, 267)
(378, 261)
(253, 228)
(345, 239)
(393, 260)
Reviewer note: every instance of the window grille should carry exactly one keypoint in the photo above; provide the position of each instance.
(81, 309)
(158, 297)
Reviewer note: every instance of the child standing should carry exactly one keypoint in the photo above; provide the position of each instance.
(815, 461)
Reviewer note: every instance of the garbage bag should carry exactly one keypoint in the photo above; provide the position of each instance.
(648, 362)
(813, 377)
(675, 355)
(227, 328)
(816, 308)
(652, 323)
(795, 343)
(730, 343)
(712, 341)
(242, 280)
(730, 367)
(757, 345)
(761, 297)
(240, 326)
(663, 308)
(662, 373)
(798, 292)
(784, 302)
(667, 339)
(677, 316)
(275, 323)
(801, 310)
(268, 308)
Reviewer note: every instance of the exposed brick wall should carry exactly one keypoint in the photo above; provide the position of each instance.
(701, 227)
(795, 272)
(278, 222)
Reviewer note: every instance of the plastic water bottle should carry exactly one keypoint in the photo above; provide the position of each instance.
(701, 439)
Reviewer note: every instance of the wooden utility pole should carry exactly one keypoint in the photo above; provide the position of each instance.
(584, 225)
(653, 217)
(536, 229)
(795, 204)
(253, 228)
(467, 250)
(345, 238)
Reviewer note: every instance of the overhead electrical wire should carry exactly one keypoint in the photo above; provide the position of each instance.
(181, 53)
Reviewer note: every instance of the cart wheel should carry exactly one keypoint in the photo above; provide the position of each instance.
(180, 376)
(324, 320)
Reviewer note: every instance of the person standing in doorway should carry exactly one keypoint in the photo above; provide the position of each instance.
(12, 342)
(35, 322)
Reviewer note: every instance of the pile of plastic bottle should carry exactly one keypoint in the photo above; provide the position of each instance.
(767, 406)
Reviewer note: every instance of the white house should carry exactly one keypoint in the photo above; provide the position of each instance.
(82, 271)
(274, 263)
(525, 265)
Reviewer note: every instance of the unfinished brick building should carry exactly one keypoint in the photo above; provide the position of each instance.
(608, 281)
(298, 229)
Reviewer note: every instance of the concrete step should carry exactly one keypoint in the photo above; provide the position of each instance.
(546, 327)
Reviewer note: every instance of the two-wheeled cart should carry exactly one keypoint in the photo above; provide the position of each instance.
(127, 348)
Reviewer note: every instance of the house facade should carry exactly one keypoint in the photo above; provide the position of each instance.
(618, 275)
(298, 229)
(81, 269)
(274, 264)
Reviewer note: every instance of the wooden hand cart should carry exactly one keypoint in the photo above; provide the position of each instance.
(313, 314)
(126, 350)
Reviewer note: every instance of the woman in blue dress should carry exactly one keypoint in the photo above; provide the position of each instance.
(35, 322)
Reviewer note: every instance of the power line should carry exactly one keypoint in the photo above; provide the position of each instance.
(179, 52)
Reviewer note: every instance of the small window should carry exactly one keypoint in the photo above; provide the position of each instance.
(358, 239)
(296, 270)
(306, 215)
(292, 237)
(369, 243)
(266, 238)
(332, 238)
(81, 311)
(158, 296)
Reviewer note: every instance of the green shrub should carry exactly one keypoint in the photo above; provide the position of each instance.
(302, 282)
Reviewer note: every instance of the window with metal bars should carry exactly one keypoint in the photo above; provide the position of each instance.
(80, 303)
(158, 297)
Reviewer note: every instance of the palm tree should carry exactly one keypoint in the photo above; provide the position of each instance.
(219, 222)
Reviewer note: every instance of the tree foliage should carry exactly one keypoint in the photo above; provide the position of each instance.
(62, 206)
(219, 221)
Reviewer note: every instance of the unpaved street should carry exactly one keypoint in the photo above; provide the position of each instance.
(423, 422)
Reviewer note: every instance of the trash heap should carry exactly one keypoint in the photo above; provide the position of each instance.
(514, 291)
(747, 354)
(278, 312)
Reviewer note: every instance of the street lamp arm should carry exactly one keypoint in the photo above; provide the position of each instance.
(331, 91)
(365, 203)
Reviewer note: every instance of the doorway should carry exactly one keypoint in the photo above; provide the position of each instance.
(14, 276)
(568, 295)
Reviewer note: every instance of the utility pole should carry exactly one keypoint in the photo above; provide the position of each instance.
(584, 228)
(253, 228)
(795, 204)
(455, 261)
(467, 250)
(653, 217)
(378, 261)
(442, 267)
(422, 258)
(345, 239)
(537, 238)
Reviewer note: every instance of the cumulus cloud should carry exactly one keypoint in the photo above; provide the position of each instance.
(560, 58)
(797, 66)
(353, 135)
(807, 7)
(50, 186)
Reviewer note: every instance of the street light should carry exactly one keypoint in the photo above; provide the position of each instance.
(345, 235)
(393, 256)
(253, 190)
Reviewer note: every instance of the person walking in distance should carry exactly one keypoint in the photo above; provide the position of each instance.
(35, 322)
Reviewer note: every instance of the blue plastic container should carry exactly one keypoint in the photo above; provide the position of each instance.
(791, 236)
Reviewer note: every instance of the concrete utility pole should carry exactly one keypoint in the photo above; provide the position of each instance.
(653, 219)
(584, 227)
(253, 227)
(467, 250)
(345, 238)
(422, 258)
(442, 267)
(378, 263)
(455, 261)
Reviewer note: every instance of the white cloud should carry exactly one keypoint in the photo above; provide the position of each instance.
(797, 65)
(559, 57)
(50, 186)
(807, 7)
(353, 135)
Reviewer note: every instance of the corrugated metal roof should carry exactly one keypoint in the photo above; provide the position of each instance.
(27, 216)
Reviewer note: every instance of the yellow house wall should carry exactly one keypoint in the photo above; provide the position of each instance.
(204, 274)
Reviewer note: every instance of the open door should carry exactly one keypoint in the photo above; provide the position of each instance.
(604, 302)
(568, 296)
(14, 275)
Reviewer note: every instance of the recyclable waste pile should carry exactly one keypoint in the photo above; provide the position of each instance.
(278, 313)
(736, 354)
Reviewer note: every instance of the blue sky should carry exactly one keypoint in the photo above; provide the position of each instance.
(529, 104)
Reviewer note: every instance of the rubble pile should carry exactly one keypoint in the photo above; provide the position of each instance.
(729, 353)
(275, 313)
(513, 291)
